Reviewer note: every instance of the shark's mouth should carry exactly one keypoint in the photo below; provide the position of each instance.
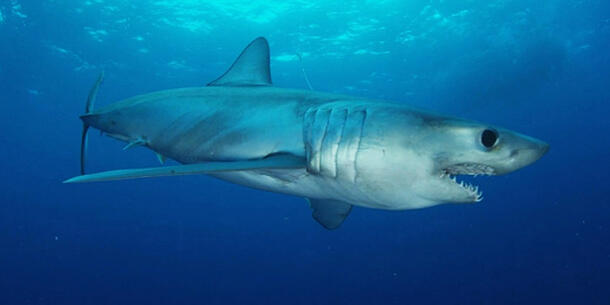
(471, 169)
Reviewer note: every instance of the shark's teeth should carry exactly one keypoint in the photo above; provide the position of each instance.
(469, 169)
(479, 197)
(472, 169)
(473, 190)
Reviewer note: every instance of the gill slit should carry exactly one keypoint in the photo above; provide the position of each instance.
(321, 147)
(336, 148)
(364, 115)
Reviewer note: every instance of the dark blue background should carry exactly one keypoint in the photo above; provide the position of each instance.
(541, 236)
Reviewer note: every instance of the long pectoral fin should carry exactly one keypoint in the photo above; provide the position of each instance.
(329, 213)
(279, 161)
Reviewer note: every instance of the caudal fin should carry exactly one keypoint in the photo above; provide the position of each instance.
(88, 109)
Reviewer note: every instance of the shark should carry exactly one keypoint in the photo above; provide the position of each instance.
(337, 151)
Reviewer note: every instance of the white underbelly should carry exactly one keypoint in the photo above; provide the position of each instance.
(296, 182)
(299, 182)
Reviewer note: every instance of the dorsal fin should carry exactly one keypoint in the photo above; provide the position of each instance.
(251, 68)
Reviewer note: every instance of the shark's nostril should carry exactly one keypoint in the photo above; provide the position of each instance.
(514, 153)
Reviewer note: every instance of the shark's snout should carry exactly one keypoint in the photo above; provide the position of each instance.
(534, 152)
(540, 149)
(544, 148)
(524, 151)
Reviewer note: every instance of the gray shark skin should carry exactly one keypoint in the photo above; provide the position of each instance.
(337, 151)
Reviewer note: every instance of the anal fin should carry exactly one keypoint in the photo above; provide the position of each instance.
(161, 158)
(134, 143)
(329, 213)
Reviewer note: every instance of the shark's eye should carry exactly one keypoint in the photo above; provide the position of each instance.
(489, 138)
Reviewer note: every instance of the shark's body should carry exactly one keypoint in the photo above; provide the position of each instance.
(335, 150)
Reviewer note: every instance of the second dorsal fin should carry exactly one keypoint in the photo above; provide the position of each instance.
(251, 68)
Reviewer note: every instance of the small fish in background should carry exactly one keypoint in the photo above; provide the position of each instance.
(33, 95)
(16, 10)
(337, 151)
(34, 92)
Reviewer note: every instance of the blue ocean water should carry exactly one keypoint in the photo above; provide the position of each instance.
(541, 236)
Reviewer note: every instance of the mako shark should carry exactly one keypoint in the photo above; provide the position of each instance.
(337, 151)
